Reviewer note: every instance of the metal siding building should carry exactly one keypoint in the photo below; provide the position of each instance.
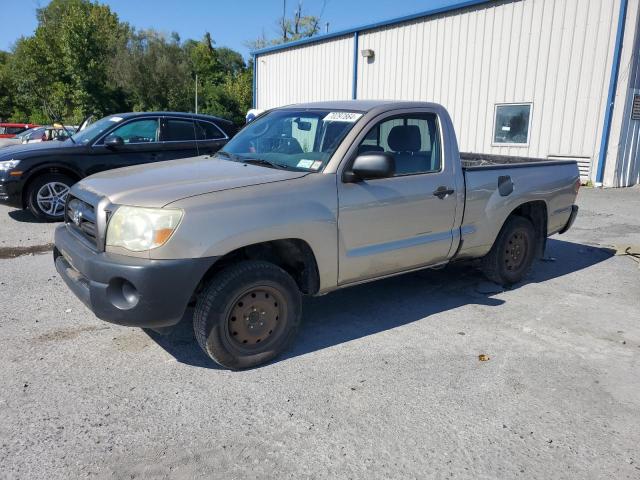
(572, 64)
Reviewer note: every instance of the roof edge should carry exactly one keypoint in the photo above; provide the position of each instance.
(394, 21)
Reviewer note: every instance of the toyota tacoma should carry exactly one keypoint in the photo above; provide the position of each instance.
(304, 200)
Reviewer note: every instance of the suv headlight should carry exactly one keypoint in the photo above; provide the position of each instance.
(139, 229)
(8, 164)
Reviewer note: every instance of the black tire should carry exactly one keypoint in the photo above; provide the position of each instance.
(54, 214)
(247, 314)
(512, 253)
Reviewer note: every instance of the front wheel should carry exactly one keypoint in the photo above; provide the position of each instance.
(47, 195)
(512, 254)
(247, 315)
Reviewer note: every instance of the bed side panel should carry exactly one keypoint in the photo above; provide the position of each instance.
(486, 209)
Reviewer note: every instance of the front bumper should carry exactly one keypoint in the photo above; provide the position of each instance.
(572, 218)
(11, 191)
(127, 290)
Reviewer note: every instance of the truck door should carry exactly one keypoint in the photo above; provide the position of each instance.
(388, 225)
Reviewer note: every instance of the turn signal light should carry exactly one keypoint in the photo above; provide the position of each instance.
(161, 236)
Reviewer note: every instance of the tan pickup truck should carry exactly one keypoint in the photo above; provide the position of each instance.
(304, 200)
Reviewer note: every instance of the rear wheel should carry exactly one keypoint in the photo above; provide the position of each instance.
(47, 195)
(248, 314)
(512, 254)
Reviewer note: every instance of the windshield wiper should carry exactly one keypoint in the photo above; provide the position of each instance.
(263, 162)
(225, 154)
(252, 161)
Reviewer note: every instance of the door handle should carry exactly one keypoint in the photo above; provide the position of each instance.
(443, 191)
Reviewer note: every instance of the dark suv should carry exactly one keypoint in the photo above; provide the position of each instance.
(38, 176)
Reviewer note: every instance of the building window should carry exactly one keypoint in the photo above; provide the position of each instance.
(635, 110)
(512, 122)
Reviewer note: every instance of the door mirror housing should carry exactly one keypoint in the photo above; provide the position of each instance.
(113, 141)
(371, 165)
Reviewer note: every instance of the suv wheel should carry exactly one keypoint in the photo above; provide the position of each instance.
(512, 253)
(47, 195)
(247, 314)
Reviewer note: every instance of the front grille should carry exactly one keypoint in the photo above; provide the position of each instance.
(81, 217)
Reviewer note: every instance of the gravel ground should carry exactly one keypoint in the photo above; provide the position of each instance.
(384, 380)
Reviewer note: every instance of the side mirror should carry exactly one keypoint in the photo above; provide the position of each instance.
(371, 165)
(113, 141)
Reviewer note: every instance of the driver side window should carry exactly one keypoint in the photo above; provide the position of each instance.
(413, 140)
(138, 131)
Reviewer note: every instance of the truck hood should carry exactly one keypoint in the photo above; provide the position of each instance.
(158, 184)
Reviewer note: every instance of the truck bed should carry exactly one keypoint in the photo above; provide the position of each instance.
(475, 161)
(495, 185)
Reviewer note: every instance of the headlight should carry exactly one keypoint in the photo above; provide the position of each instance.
(8, 164)
(139, 229)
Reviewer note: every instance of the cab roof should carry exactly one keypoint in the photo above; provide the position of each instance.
(361, 105)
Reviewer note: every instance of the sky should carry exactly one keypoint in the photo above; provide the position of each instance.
(230, 22)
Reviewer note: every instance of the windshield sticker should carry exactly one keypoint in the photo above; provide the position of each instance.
(115, 119)
(317, 165)
(305, 163)
(342, 117)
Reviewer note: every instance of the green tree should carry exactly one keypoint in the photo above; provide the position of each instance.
(154, 72)
(230, 61)
(224, 80)
(229, 99)
(6, 87)
(63, 69)
(82, 60)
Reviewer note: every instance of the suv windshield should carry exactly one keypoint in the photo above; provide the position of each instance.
(293, 139)
(95, 129)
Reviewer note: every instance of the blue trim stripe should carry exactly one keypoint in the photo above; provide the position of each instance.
(371, 26)
(254, 81)
(354, 85)
(613, 83)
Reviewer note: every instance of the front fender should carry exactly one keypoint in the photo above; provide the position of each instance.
(218, 223)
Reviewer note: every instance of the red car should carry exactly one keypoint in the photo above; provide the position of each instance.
(9, 130)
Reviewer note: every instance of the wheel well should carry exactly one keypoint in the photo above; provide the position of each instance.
(44, 171)
(292, 255)
(536, 213)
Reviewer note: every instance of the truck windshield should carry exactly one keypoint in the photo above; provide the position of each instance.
(293, 139)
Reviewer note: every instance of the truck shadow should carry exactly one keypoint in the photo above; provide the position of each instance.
(374, 307)
(24, 216)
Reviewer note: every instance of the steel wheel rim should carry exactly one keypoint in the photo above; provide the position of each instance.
(255, 318)
(516, 250)
(51, 198)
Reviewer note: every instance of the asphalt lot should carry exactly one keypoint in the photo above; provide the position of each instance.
(383, 382)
